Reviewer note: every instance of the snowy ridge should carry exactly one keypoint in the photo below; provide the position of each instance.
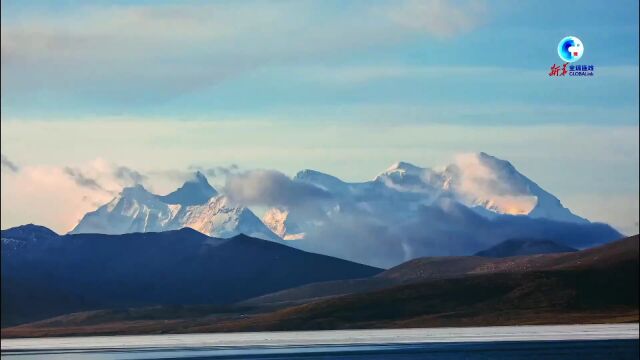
(483, 183)
(137, 210)
(408, 211)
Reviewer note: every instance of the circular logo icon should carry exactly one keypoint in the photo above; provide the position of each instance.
(570, 49)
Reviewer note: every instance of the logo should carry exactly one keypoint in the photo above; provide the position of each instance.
(570, 49)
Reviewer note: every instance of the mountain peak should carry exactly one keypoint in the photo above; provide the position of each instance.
(320, 179)
(494, 162)
(199, 177)
(135, 191)
(404, 166)
(195, 191)
(308, 173)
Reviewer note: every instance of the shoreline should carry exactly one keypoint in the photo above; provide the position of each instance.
(330, 337)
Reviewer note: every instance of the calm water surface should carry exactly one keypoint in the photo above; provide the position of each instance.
(589, 349)
(554, 342)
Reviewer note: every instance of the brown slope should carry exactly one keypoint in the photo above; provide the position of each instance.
(433, 268)
(422, 269)
(492, 299)
(599, 286)
(319, 290)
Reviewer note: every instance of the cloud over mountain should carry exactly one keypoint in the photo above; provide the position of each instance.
(409, 211)
(129, 175)
(81, 179)
(74, 189)
(271, 188)
(405, 212)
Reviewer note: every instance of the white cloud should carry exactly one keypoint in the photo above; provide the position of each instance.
(161, 51)
(442, 18)
(479, 183)
(58, 196)
(271, 188)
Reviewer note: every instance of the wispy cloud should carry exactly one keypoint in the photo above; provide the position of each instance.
(128, 175)
(69, 191)
(217, 171)
(142, 53)
(271, 188)
(116, 176)
(9, 165)
(441, 18)
(81, 179)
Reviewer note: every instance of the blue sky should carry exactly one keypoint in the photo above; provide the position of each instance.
(256, 58)
(296, 84)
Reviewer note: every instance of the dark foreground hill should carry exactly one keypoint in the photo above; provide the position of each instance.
(590, 286)
(44, 274)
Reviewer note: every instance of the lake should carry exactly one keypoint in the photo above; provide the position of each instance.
(508, 342)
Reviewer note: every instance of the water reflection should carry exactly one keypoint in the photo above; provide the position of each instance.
(551, 350)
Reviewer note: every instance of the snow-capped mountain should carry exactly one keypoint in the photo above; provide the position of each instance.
(484, 183)
(408, 211)
(405, 212)
(219, 217)
(134, 210)
(197, 191)
(196, 205)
